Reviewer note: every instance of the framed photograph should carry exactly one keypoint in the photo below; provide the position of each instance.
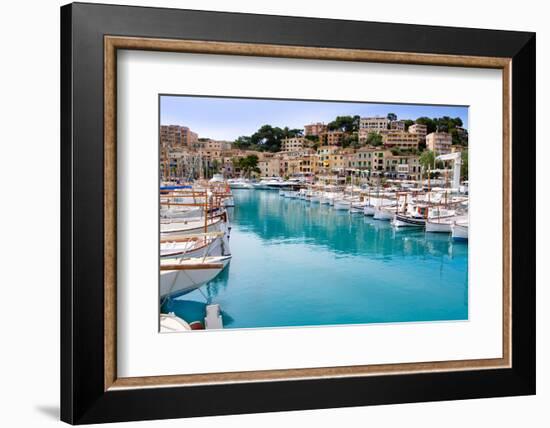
(266, 213)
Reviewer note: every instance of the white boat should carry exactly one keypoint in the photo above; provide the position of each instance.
(368, 209)
(442, 224)
(270, 184)
(205, 244)
(180, 212)
(385, 213)
(240, 184)
(459, 230)
(174, 229)
(345, 203)
(328, 198)
(178, 276)
(342, 204)
(419, 214)
(301, 194)
(170, 323)
(408, 220)
(358, 207)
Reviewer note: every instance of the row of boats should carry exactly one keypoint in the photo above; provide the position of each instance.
(264, 184)
(436, 210)
(194, 237)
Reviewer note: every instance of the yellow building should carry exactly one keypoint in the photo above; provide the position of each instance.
(270, 167)
(400, 139)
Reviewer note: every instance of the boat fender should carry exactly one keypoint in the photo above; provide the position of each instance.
(196, 325)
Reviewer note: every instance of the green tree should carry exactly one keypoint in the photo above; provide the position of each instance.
(374, 139)
(427, 160)
(248, 165)
(215, 166)
(314, 138)
(430, 124)
(408, 122)
(392, 117)
(350, 140)
(243, 142)
(345, 124)
(464, 166)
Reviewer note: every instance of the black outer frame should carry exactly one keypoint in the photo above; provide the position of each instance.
(83, 399)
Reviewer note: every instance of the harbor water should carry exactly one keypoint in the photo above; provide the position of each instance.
(301, 264)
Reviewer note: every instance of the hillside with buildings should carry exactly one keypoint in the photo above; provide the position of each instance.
(376, 146)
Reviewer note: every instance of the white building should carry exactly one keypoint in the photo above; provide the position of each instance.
(368, 125)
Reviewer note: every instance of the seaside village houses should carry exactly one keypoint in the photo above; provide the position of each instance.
(318, 150)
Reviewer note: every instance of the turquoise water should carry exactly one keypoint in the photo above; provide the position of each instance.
(298, 264)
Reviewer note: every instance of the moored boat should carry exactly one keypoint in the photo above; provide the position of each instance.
(173, 229)
(179, 276)
(459, 230)
(204, 244)
(385, 213)
(442, 224)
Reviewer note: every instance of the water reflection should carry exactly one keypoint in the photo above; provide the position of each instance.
(279, 220)
(296, 264)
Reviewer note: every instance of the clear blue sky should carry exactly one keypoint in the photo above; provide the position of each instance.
(228, 118)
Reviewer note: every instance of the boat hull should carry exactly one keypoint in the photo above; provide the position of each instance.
(459, 232)
(435, 227)
(382, 214)
(177, 282)
(368, 210)
(406, 221)
(342, 205)
(218, 247)
(178, 230)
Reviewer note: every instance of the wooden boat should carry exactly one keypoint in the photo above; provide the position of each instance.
(199, 245)
(180, 212)
(421, 214)
(179, 276)
(170, 323)
(442, 224)
(385, 213)
(174, 229)
(459, 230)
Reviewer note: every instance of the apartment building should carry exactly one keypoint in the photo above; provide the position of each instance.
(314, 129)
(398, 125)
(419, 129)
(402, 167)
(332, 138)
(439, 142)
(293, 144)
(217, 145)
(367, 158)
(400, 139)
(368, 125)
(177, 136)
(270, 167)
(308, 164)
